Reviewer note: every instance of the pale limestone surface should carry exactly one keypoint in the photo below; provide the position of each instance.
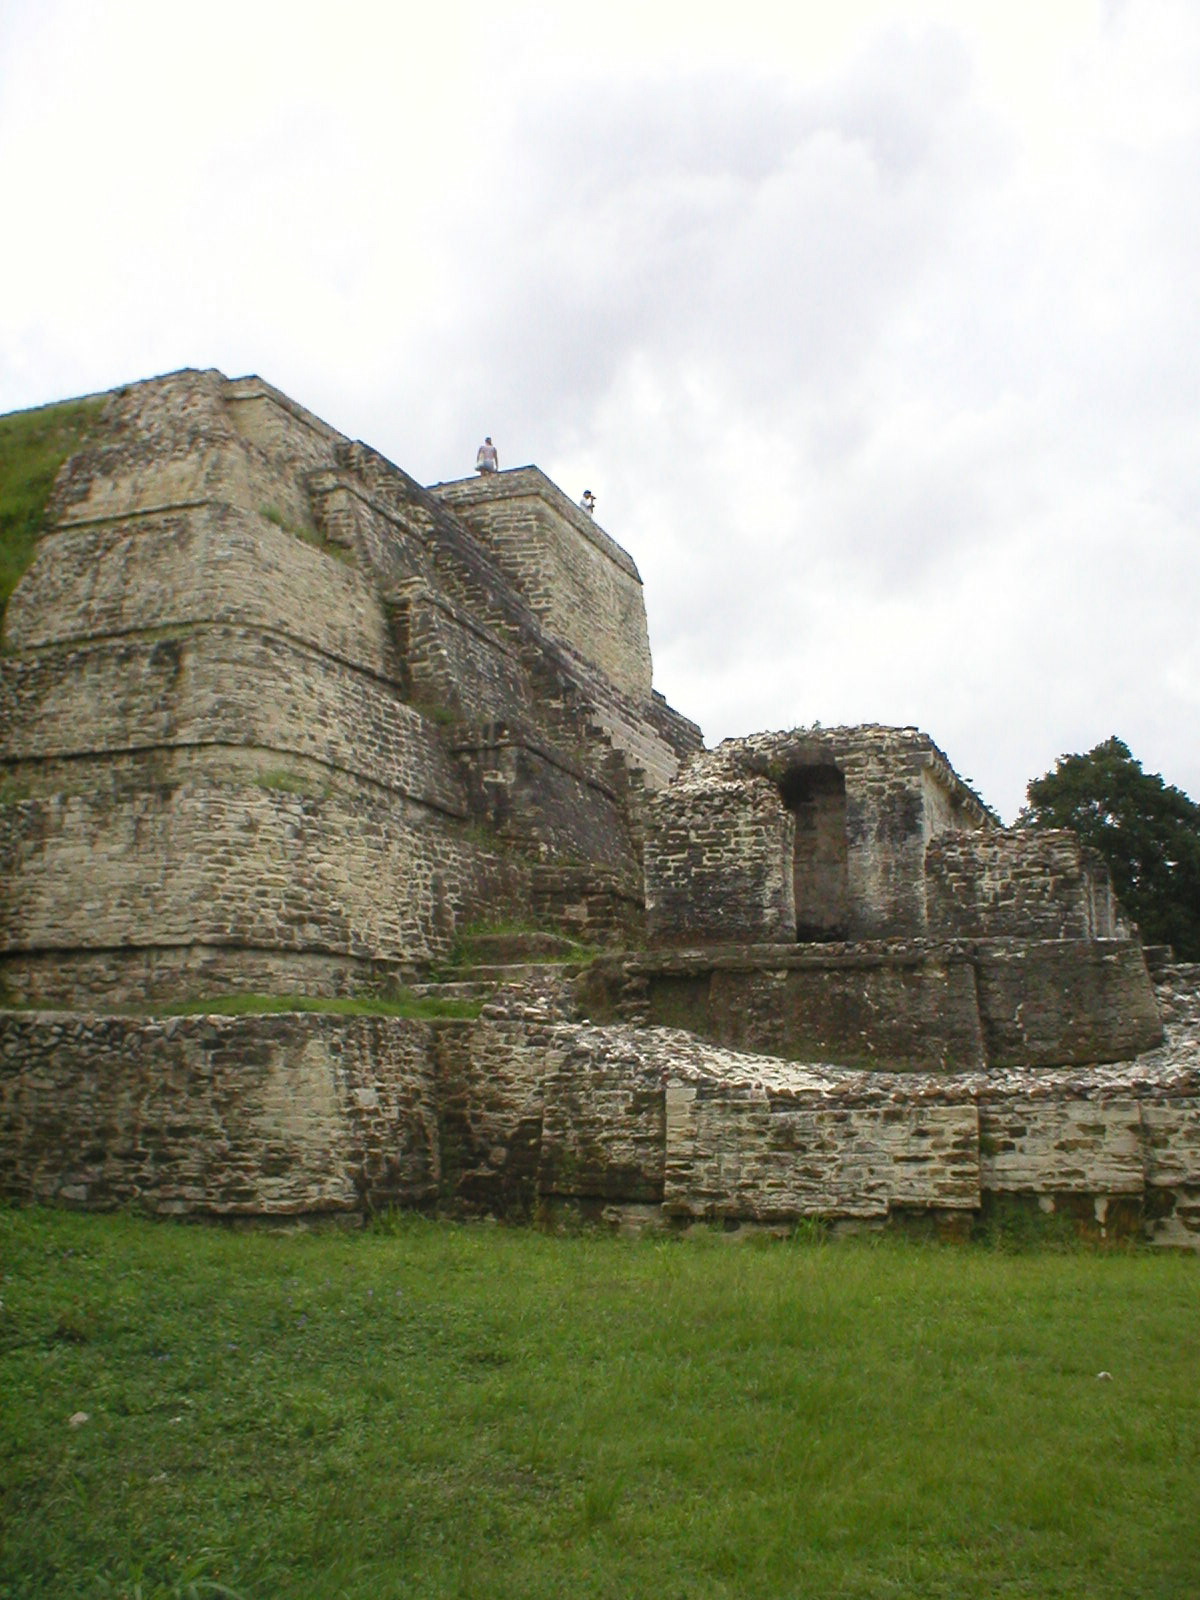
(579, 582)
(261, 693)
(524, 1112)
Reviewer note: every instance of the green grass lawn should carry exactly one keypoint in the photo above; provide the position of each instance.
(423, 1409)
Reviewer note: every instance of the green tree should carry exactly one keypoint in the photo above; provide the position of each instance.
(1146, 830)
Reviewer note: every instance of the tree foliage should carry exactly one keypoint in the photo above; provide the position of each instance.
(1146, 830)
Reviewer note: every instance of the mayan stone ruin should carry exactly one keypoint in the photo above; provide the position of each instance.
(276, 720)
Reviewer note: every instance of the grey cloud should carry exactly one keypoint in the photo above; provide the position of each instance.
(732, 221)
(896, 414)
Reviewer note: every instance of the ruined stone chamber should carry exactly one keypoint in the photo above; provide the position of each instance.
(840, 895)
(277, 721)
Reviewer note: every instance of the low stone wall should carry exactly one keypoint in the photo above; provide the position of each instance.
(1035, 884)
(604, 1133)
(637, 1115)
(1051, 1002)
(490, 1104)
(262, 1116)
(776, 1152)
(916, 1004)
(523, 1113)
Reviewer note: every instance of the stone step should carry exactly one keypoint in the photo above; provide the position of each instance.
(464, 989)
(528, 944)
(519, 971)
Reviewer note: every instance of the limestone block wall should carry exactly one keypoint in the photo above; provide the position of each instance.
(899, 792)
(579, 582)
(588, 903)
(653, 747)
(218, 688)
(855, 809)
(471, 675)
(772, 1151)
(449, 602)
(491, 1102)
(604, 1128)
(1035, 883)
(681, 735)
(291, 437)
(1018, 952)
(1093, 1147)
(291, 1114)
(146, 975)
(770, 1148)
(524, 1111)
(455, 668)
(529, 792)
(718, 861)
(874, 1006)
(399, 531)
(1054, 1001)
(653, 1116)
(948, 804)
(199, 564)
(475, 646)
(245, 708)
(194, 438)
(201, 859)
(921, 1005)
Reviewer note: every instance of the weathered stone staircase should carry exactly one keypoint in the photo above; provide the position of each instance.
(491, 961)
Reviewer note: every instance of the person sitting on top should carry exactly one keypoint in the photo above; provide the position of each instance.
(486, 459)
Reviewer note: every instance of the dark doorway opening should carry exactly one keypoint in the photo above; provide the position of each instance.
(816, 797)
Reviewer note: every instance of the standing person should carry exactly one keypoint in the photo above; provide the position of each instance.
(588, 502)
(486, 458)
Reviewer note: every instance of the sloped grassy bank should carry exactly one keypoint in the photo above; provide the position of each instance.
(33, 446)
(422, 1409)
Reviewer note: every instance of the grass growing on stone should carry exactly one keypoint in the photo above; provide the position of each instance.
(291, 781)
(429, 1410)
(307, 532)
(33, 446)
(422, 1007)
(474, 944)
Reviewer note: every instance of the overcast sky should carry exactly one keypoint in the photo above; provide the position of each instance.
(874, 327)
